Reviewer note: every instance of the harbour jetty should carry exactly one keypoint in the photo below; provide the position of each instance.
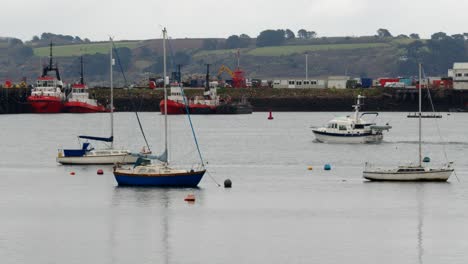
(13, 100)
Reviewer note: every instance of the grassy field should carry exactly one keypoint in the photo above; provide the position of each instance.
(289, 50)
(79, 49)
(204, 53)
(292, 49)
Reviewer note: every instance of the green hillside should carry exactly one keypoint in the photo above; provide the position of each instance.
(80, 49)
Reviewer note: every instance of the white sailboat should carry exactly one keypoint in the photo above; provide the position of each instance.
(108, 155)
(410, 172)
(149, 172)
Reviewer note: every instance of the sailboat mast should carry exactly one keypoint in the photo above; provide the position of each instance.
(420, 119)
(111, 91)
(82, 71)
(165, 91)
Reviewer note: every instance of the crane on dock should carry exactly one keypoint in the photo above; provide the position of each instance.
(238, 78)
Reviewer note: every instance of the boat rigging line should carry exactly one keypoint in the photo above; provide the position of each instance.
(437, 123)
(131, 100)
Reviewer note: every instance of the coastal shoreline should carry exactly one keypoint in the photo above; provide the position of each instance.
(265, 99)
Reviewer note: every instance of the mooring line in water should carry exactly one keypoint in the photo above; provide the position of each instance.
(209, 174)
(456, 176)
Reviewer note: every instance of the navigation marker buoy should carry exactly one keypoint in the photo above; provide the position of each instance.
(270, 117)
(190, 198)
(100, 172)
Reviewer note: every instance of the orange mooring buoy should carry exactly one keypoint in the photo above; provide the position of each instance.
(190, 198)
(270, 117)
(100, 172)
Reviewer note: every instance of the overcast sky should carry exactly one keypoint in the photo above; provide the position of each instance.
(142, 19)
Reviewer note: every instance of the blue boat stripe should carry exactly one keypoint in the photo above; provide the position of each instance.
(342, 135)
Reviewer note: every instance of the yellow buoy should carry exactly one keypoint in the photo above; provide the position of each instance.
(309, 168)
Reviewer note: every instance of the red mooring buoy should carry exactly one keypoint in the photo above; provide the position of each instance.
(100, 172)
(190, 198)
(72, 173)
(270, 117)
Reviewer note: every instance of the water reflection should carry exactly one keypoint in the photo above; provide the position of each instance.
(420, 199)
(147, 198)
(151, 209)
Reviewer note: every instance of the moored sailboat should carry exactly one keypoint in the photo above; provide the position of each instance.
(108, 155)
(154, 170)
(410, 172)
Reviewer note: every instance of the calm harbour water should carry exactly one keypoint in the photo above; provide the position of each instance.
(276, 212)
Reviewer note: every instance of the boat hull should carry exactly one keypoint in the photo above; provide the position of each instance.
(97, 160)
(188, 179)
(173, 107)
(81, 107)
(200, 109)
(432, 175)
(46, 104)
(347, 138)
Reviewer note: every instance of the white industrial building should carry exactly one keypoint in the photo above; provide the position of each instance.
(459, 73)
(337, 82)
(300, 84)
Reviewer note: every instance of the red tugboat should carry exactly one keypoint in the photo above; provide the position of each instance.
(205, 104)
(47, 96)
(79, 101)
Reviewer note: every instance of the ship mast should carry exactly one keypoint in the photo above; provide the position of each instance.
(165, 94)
(111, 91)
(81, 74)
(420, 118)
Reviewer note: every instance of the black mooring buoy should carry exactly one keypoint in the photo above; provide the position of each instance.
(227, 183)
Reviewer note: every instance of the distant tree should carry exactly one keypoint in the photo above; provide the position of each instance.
(86, 40)
(439, 36)
(444, 51)
(245, 40)
(402, 36)
(146, 52)
(14, 42)
(124, 55)
(77, 39)
(302, 33)
(35, 38)
(25, 52)
(209, 44)
(96, 64)
(233, 42)
(414, 36)
(270, 38)
(465, 35)
(383, 33)
(182, 57)
(458, 36)
(288, 34)
(311, 34)
(156, 67)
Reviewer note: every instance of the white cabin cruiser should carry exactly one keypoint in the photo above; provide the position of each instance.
(351, 129)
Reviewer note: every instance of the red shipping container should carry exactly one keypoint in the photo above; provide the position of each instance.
(383, 81)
